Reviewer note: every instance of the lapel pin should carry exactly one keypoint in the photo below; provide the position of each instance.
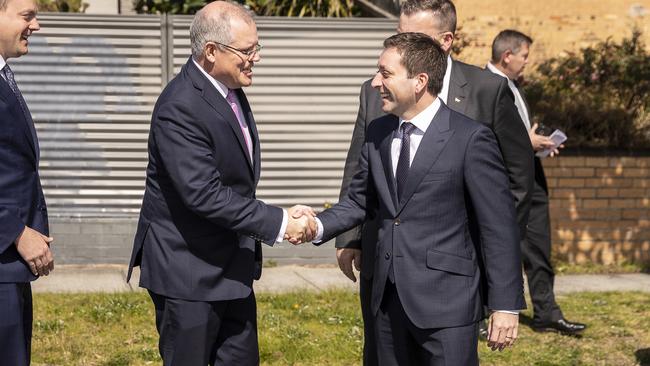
(457, 100)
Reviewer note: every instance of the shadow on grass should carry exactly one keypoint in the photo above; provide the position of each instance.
(643, 356)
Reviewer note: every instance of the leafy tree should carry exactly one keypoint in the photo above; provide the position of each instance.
(599, 96)
(64, 6)
(292, 8)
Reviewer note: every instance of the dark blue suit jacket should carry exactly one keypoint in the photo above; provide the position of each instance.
(21, 196)
(457, 173)
(200, 224)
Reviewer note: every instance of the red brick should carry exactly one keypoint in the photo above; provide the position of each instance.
(570, 182)
(632, 193)
(585, 192)
(635, 214)
(607, 192)
(550, 163)
(551, 182)
(590, 203)
(562, 193)
(597, 162)
(622, 203)
(608, 214)
(608, 172)
(636, 172)
(584, 172)
(622, 182)
(641, 183)
(573, 161)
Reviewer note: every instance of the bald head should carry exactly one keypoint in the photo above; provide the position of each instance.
(214, 23)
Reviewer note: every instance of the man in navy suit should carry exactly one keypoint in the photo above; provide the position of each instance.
(200, 228)
(425, 172)
(24, 242)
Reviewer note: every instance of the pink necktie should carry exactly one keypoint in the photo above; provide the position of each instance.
(232, 100)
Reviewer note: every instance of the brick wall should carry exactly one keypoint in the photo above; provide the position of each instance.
(600, 208)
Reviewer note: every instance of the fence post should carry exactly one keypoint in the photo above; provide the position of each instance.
(167, 48)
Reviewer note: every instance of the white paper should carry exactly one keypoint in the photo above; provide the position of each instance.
(558, 137)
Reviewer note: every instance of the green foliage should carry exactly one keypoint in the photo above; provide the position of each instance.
(304, 8)
(599, 96)
(168, 6)
(291, 8)
(63, 6)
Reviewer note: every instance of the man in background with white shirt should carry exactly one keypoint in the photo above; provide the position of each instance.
(510, 50)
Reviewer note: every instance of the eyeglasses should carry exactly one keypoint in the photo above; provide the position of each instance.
(249, 53)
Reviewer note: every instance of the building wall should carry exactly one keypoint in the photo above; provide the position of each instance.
(600, 208)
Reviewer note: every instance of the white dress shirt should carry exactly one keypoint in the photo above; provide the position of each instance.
(519, 101)
(444, 93)
(223, 90)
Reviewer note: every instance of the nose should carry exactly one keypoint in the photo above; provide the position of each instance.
(34, 26)
(376, 82)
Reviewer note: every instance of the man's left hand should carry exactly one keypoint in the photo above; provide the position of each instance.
(502, 330)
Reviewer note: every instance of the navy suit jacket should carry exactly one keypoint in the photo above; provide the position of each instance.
(200, 224)
(21, 197)
(479, 95)
(456, 173)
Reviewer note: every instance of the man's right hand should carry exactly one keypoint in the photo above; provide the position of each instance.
(34, 247)
(347, 256)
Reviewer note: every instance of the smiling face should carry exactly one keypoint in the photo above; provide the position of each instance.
(397, 90)
(18, 21)
(233, 68)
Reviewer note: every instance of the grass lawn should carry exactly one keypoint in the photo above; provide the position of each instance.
(308, 328)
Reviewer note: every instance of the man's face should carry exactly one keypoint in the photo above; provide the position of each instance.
(396, 89)
(423, 22)
(17, 23)
(234, 68)
(516, 62)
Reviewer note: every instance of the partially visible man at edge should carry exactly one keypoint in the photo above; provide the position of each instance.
(200, 228)
(24, 242)
(467, 89)
(510, 51)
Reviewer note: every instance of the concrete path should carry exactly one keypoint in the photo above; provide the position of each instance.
(112, 278)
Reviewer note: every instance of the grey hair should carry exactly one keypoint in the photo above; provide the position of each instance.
(508, 40)
(214, 26)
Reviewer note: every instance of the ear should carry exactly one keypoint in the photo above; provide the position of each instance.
(506, 57)
(210, 51)
(446, 41)
(421, 82)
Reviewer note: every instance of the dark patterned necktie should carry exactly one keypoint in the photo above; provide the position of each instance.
(9, 77)
(403, 162)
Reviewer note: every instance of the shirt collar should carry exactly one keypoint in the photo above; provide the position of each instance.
(223, 90)
(423, 119)
(2, 63)
(494, 69)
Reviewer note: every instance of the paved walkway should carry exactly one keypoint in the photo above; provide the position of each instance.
(112, 278)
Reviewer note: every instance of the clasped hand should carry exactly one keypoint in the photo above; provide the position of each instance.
(301, 226)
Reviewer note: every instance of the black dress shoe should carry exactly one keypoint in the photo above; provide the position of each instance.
(562, 326)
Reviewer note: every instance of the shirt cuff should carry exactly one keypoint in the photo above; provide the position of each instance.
(283, 228)
(514, 312)
(319, 233)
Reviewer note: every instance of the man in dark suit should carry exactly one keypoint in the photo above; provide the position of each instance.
(424, 170)
(466, 89)
(510, 50)
(24, 242)
(200, 228)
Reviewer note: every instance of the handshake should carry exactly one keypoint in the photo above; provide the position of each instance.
(301, 226)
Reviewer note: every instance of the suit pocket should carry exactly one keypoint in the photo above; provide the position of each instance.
(450, 263)
(436, 176)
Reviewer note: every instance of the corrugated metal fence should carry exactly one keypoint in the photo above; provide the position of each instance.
(91, 83)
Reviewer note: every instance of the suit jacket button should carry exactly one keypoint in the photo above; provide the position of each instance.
(397, 222)
(387, 255)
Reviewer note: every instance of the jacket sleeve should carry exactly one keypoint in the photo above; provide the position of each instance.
(187, 156)
(517, 153)
(12, 226)
(487, 185)
(352, 237)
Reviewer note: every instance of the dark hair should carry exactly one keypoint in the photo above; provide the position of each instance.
(444, 12)
(420, 54)
(508, 40)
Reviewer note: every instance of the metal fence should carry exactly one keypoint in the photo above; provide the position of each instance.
(91, 83)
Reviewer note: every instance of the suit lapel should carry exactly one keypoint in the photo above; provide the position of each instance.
(457, 94)
(26, 125)
(432, 144)
(252, 129)
(386, 161)
(211, 95)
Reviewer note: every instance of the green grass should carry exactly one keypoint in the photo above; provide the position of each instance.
(306, 328)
